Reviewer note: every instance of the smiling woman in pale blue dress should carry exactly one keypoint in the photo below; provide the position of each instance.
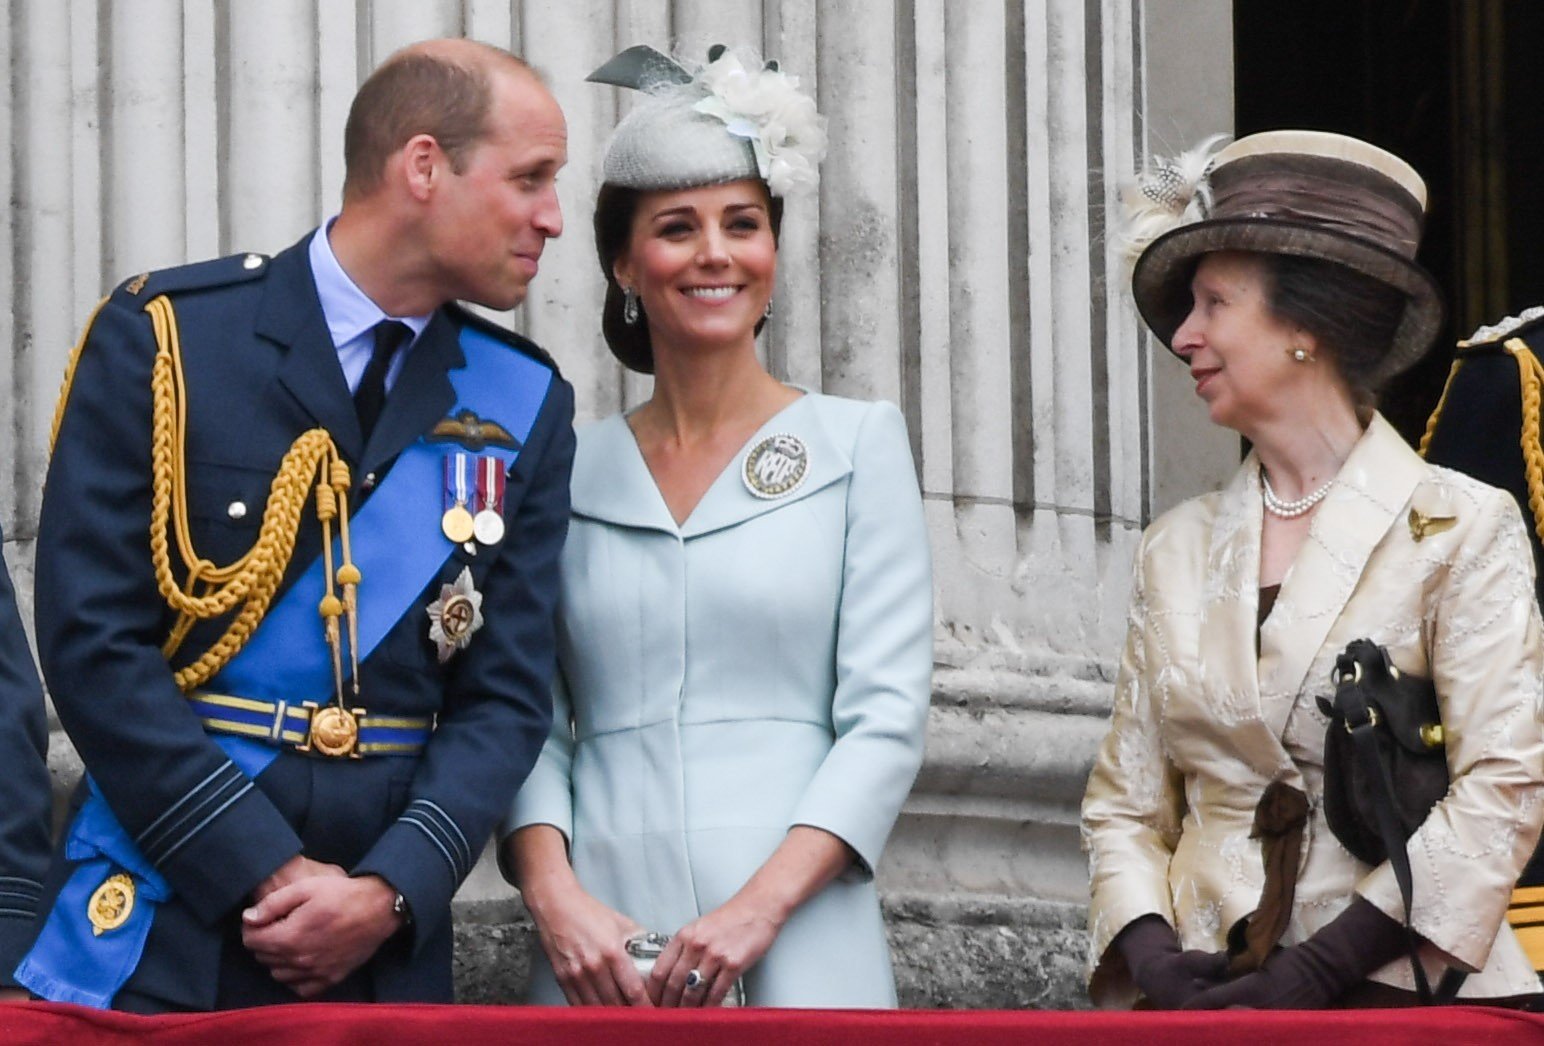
(745, 626)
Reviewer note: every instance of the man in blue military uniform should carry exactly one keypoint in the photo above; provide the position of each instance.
(1486, 424)
(296, 572)
(24, 792)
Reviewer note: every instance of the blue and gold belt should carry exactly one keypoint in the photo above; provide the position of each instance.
(327, 730)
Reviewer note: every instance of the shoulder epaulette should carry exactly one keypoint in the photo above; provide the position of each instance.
(1525, 322)
(469, 318)
(218, 272)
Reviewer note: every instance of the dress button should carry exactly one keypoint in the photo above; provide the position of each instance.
(252, 261)
(236, 510)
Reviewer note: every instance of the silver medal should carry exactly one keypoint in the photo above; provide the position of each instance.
(489, 527)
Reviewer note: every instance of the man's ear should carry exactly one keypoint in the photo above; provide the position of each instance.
(423, 164)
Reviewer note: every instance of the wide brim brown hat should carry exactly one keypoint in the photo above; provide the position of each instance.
(1308, 194)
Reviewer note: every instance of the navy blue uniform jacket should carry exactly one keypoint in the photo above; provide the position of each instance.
(25, 797)
(261, 369)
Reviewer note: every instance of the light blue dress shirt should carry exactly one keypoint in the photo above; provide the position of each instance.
(351, 316)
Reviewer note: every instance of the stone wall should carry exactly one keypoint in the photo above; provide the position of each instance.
(955, 262)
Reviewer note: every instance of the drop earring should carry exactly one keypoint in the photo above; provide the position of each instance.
(629, 306)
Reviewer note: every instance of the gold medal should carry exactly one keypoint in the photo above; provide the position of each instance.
(458, 525)
(457, 521)
(334, 730)
(111, 904)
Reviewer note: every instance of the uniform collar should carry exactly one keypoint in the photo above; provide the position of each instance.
(349, 312)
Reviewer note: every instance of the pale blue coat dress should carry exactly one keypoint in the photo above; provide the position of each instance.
(764, 665)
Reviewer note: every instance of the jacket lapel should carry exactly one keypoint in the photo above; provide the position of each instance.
(421, 395)
(290, 314)
(1369, 496)
(1231, 598)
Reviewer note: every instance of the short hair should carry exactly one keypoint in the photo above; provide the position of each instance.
(615, 208)
(419, 92)
(1351, 315)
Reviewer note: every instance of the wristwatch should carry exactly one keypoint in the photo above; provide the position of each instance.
(402, 910)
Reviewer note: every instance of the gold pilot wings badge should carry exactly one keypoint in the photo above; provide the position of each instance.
(472, 432)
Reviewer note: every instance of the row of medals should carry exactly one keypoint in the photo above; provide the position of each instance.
(474, 498)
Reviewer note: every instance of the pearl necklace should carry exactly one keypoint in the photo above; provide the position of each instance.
(1290, 509)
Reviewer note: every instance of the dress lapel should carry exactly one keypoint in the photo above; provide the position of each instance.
(1370, 495)
(729, 501)
(612, 482)
(290, 314)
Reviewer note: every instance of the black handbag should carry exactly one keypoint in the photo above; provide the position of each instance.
(1385, 767)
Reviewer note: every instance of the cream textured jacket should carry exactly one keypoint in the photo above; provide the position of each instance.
(1201, 724)
(765, 664)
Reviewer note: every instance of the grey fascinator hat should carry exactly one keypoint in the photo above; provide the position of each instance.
(733, 118)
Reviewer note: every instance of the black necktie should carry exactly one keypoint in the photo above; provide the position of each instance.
(370, 397)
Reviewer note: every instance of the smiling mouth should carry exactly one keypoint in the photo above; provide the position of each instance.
(711, 293)
(1201, 377)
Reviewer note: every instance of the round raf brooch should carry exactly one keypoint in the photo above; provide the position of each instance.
(776, 466)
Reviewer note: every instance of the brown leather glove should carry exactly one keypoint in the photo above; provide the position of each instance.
(1313, 974)
(1166, 975)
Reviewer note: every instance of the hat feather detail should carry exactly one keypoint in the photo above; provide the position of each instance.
(1169, 192)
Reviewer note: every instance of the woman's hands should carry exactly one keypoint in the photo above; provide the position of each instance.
(586, 943)
(1316, 972)
(1167, 976)
(584, 940)
(720, 946)
(729, 940)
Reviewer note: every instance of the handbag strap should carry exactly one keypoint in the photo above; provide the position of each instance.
(1356, 669)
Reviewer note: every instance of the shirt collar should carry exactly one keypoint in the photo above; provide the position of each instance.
(349, 312)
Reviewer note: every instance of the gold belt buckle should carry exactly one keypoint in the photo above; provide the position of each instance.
(334, 731)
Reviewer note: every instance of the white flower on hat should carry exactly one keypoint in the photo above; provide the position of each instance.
(765, 107)
(1167, 194)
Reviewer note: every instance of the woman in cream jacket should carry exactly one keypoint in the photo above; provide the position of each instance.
(1293, 300)
(745, 625)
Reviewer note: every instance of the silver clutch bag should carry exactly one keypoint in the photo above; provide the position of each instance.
(645, 948)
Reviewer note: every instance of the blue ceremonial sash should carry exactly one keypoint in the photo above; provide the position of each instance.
(399, 548)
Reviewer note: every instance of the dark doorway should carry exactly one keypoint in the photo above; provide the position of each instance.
(1449, 86)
